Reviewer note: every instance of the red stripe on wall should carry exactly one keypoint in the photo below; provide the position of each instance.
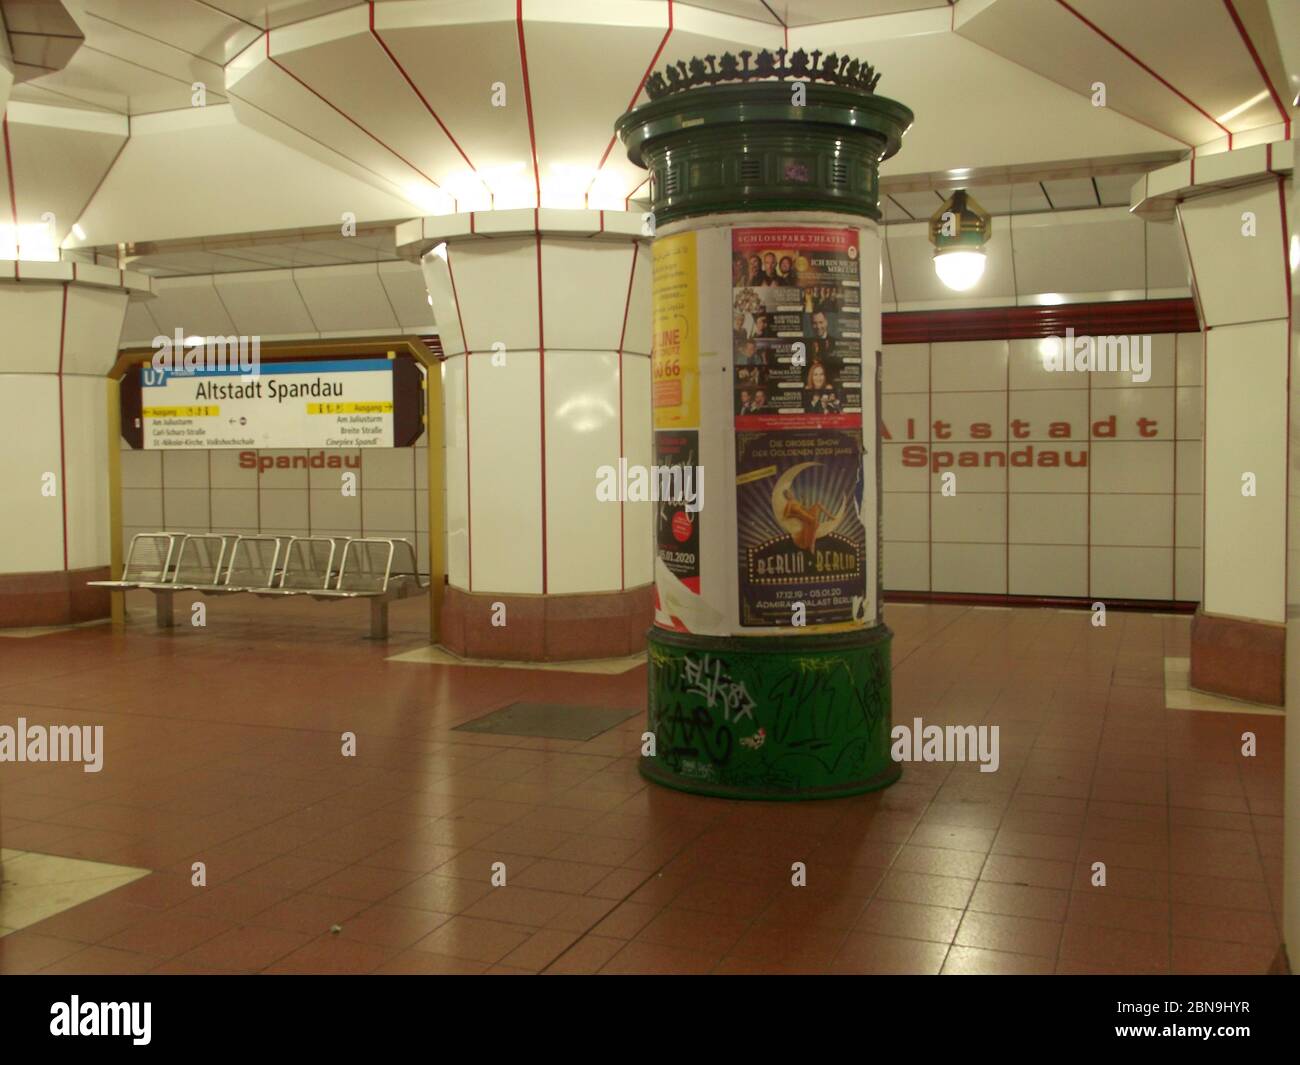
(541, 384)
(63, 451)
(622, 336)
(13, 192)
(469, 509)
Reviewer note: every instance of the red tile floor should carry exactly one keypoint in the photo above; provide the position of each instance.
(223, 746)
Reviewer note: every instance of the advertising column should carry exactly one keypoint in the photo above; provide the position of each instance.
(768, 659)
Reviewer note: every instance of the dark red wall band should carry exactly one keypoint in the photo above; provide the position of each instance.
(1026, 323)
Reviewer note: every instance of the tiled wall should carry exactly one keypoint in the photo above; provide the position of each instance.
(208, 491)
(1125, 525)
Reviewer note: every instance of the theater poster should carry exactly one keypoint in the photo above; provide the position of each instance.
(797, 351)
(677, 527)
(796, 325)
(801, 542)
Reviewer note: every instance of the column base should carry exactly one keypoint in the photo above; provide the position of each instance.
(1238, 658)
(32, 600)
(771, 718)
(546, 628)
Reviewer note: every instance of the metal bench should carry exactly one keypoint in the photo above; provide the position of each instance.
(377, 569)
(310, 564)
(149, 561)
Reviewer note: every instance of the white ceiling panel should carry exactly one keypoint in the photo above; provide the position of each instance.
(1166, 259)
(1071, 193)
(404, 284)
(1079, 251)
(266, 303)
(190, 26)
(1115, 190)
(192, 305)
(344, 299)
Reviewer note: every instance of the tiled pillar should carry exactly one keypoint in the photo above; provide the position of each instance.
(1291, 771)
(61, 323)
(544, 320)
(1232, 212)
(1240, 281)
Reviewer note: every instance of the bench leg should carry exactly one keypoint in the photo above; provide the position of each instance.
(379, 619)
(163, 610)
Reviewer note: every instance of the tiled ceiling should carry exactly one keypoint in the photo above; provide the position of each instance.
(378, 90)
(1030, 197)
(236, 257)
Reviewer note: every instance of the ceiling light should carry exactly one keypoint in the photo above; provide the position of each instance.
(959, 229)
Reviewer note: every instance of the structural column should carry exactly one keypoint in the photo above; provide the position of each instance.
(1232, 212)
(61, 323)
(769, 660)
(544, 322)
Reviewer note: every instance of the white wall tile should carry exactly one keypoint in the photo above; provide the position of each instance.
(1132, 520)
(1048, 570)
(973, 568)
(1049, 519)
(968, 517)
(907, 566)
(584, 534)
(1132, 572)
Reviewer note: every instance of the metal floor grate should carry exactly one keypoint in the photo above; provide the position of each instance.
(548, 721)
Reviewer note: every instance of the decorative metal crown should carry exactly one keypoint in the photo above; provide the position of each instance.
(832, 68)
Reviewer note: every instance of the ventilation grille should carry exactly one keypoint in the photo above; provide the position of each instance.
(672, 181)
(751, 169)
(839, 175)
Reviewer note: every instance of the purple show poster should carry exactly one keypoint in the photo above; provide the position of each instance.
(801, 546)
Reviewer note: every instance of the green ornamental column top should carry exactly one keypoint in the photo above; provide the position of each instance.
(727, 134)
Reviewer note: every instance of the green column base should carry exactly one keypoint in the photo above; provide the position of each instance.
(770, 717)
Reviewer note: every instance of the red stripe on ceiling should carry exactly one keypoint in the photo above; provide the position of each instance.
(63, 447)
(639, 86)
(427, 106)
(1130, 56)
(344, 114)
(13, 192)
(628, 198)
(541, 380)
(1259, 64)
(532, 132)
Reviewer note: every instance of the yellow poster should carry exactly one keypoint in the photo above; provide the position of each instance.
(675, 350)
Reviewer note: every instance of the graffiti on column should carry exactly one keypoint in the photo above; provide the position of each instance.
(724, 718)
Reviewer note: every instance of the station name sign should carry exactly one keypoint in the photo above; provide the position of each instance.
(307, 403)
